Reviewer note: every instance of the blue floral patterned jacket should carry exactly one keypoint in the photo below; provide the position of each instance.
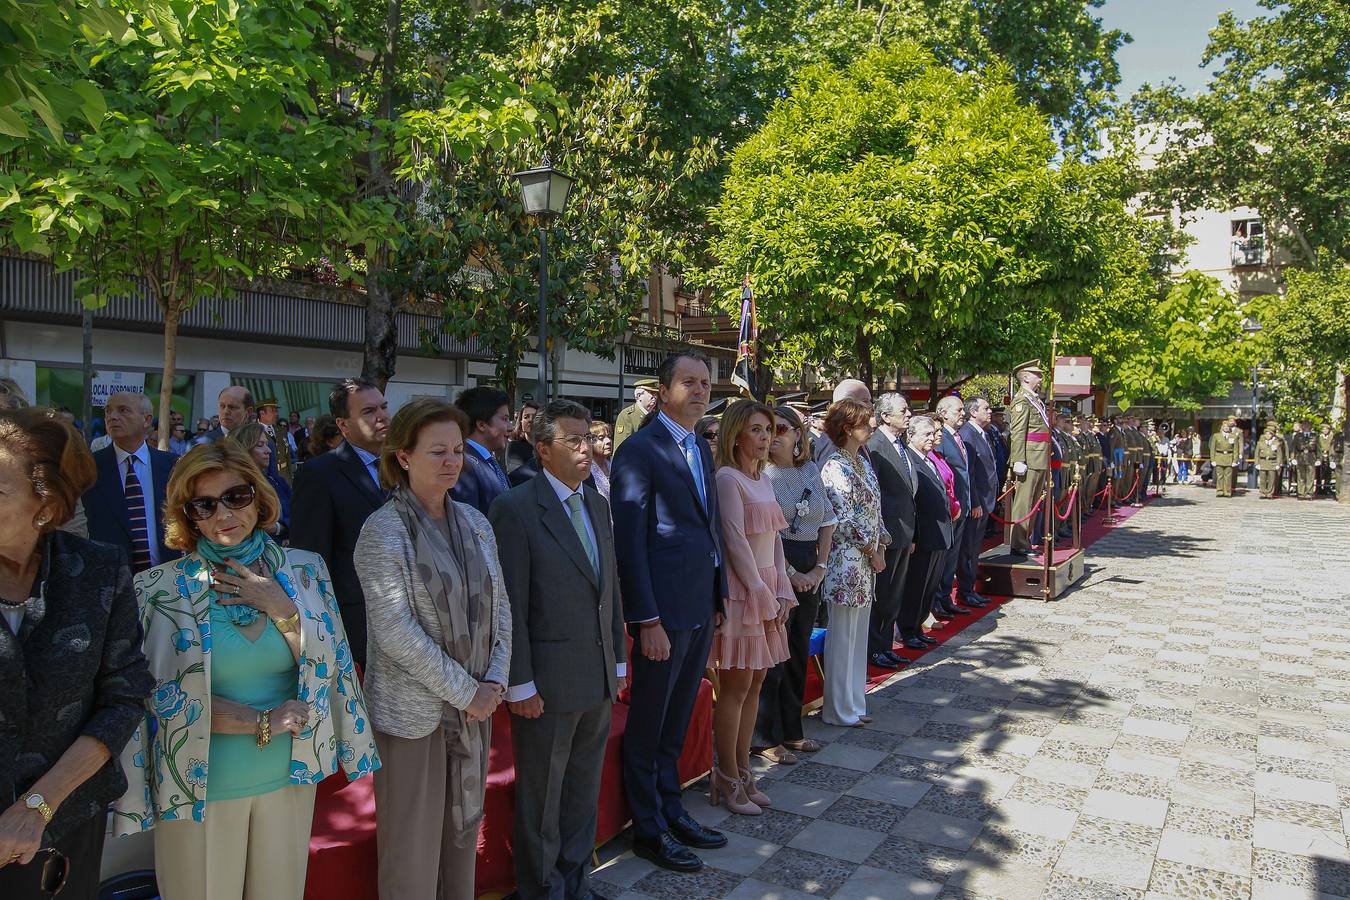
(166, 761)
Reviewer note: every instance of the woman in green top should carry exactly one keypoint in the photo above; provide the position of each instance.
(255, 687)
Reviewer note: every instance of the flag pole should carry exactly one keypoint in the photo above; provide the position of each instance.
(1050, 514)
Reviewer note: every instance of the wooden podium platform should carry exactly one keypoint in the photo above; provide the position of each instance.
(1002, 574)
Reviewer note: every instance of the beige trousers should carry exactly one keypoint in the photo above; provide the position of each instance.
(253, 848)
(417, 859)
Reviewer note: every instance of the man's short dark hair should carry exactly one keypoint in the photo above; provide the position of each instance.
(338, 398)
(665, 373)
(481, 403)
(545, 427)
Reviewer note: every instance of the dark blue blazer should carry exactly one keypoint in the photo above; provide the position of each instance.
(105, 503)
(961, 482)
(666, 542)
(477, 485)
(932, 513)
(983, 467)
(1000, 454)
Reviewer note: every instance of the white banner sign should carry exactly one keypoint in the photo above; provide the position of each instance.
(106, 383)
(1073, 376)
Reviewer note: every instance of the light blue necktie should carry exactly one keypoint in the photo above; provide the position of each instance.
(579, 525)
(691, 457)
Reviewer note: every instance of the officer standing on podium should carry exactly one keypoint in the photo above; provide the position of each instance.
(1028, 455)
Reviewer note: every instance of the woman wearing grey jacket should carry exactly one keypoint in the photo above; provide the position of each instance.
(438, 656)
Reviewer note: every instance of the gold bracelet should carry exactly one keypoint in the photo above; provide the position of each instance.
(289, 624)
(264, 733)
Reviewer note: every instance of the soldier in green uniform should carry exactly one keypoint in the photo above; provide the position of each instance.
(1028, 455)
(1092, 461)
(1329, 449)
(1225, 448)
(630, 418)
(1305, 460)
(1270, 458)
(1119, 463)
(1134, 446)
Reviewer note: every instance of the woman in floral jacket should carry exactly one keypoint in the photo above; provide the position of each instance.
(858, 553)
(255, 688)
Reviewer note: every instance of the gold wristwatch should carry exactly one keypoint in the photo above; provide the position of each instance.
(36, 801)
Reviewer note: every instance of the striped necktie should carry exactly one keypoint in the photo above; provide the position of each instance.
(140, 533)
(579, 526)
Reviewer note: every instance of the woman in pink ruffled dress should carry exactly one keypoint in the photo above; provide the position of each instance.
(752, 638)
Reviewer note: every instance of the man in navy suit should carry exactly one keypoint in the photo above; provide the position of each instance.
(983, 466)
(951, 413)
(932, 535)
(483, 479)
(336, 492)
(669, 550)
(125, 507)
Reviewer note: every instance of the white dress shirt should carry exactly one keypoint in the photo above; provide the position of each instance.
(517, 692)
(147, 480)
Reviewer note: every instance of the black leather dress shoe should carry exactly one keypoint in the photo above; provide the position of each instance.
(956, 610)
(975, 599)
(688, 831)
(1020, 553)
(897, 658)
(941, 615)
(916, 643)
(666, 852)
(881, 661)
(930, 641)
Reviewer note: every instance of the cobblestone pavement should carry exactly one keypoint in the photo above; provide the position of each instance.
(1177, 726)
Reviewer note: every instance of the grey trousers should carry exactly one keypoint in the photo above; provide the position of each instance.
(559, 757)
(417, 857)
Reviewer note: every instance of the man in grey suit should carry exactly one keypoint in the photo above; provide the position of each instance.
(567, 660)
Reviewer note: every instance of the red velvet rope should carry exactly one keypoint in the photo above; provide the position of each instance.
(1033, 512)
(1068, 505)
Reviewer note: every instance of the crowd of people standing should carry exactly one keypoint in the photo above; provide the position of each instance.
(266, 603)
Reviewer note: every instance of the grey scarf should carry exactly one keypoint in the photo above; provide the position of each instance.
(447, 559)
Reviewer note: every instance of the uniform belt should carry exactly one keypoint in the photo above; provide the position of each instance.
(1038, 437)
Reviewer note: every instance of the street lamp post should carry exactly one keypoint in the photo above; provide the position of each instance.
(544, 192)
(1250, 327)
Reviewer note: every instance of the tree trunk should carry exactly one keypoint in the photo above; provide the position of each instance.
(171, 316)
(87, 367)
(932, 386)
(1343, 476)
(862, 347)
(380, 350)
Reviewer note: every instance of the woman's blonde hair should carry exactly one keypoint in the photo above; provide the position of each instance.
(735, 420)
(404, 429)
(247, 436)
(180, 532)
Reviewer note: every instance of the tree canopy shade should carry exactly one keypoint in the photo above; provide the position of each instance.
(1270, 129)
(900, 212)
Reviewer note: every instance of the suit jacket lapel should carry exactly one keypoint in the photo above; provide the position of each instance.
(559, 524)
(359, 475)
(666, 444)
(888, 450)
(114, 497)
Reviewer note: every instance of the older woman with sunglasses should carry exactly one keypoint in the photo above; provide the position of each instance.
(256, 698)
(708, 428)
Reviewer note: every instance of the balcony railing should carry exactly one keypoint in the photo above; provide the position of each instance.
(1249, 251)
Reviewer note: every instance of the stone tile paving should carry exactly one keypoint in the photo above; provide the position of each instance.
(1178, 726)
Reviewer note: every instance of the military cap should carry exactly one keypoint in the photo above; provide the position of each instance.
(649, 384)
(820, 408)
(1031, 365)
(800, 407)
(270, 401)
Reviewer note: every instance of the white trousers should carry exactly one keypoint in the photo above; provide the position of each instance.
(253, 848)
(846, 665)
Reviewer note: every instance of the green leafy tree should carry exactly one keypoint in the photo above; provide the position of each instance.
(1269, 130)
(1306, 332)
(901, 213)
(1194, 351)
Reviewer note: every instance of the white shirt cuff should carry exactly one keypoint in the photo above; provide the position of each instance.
(621, 670)
(518, 692)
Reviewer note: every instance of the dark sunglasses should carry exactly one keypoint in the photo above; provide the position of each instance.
(55, 871)
(199, 509)
(710, 435)
(781, 428)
